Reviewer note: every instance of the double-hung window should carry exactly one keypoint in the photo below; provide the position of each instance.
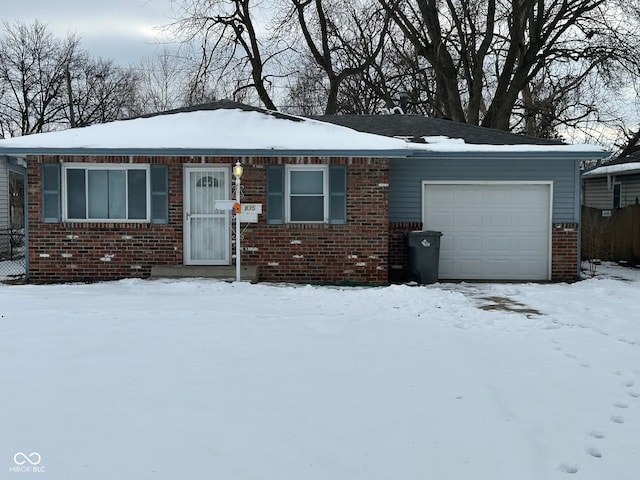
(307, 199)
(307, 194)
(106, 192)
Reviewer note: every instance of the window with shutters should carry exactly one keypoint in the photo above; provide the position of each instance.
(113, 192)
(306, 194)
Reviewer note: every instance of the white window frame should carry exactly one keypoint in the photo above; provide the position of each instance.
(106, 166)
(325, 190)
(613, 195)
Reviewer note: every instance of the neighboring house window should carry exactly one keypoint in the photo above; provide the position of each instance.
(106, 192)
(307, 194)
(616, 195)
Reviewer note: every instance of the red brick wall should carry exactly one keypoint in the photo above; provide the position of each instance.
(564, 251)
(398, 269)
(355, 252)
(351, 253)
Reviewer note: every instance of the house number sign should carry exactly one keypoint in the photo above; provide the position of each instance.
(249, 212)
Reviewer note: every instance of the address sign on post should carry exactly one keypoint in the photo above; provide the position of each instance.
(249, 212)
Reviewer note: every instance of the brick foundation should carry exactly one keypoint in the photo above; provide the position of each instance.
(315, 253)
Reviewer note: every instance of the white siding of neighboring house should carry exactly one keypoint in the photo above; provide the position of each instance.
(598, 193)
(4, 204)
(630, 189)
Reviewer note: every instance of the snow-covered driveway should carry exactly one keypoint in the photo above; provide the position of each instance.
(200, 379)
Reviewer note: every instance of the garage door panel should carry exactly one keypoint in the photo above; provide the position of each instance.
(490, 231)
(465, 245)
(497, 244)
(445, 198)
(467, 197)
(530, 195)
(497, 198)
(524, 269)
(446, 244)
(445, 218)
(466, 219)
(446, 268)
(529, 244)
(467, 268)
(529, 220)
(498, 219)
(498, 267)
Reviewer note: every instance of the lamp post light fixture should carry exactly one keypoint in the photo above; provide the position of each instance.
(237, 173)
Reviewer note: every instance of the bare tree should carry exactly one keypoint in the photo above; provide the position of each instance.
(33, 66)
(162, 82)
(343, 39)
(230, 43)
(490, 57)
(47, 83)
(394, 73)
(100, 91)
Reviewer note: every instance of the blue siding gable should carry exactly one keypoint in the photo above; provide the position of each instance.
(406, 177)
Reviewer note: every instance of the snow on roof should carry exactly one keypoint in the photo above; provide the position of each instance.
(236, 131)
(223, 129)
(440, 143)
(621, 168)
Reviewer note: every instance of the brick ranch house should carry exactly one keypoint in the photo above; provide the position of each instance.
(121, 199)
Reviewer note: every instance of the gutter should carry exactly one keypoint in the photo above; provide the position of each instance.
(216, 152)
(270, 152)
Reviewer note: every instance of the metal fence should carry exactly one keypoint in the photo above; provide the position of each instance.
(12, 261)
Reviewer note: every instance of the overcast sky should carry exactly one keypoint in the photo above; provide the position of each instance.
(121, 30)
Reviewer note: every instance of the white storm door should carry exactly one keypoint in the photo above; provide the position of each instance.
(206, 229)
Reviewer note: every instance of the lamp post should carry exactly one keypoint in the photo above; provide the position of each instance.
(237, 173)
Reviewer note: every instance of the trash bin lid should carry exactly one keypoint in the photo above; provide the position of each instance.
(425, 233)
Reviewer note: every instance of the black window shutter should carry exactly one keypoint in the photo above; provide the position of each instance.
(159, 194)
(51, 193)
(338, 194)
(275, 194)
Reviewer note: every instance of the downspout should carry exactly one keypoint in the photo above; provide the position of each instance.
(579, 212)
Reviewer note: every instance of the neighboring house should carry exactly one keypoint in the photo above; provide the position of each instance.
(12, 182)
(615, 184)
(121, 199)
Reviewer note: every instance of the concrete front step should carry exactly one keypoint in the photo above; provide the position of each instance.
(221, 272)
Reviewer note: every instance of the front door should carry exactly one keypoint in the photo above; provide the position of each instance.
(206, 229)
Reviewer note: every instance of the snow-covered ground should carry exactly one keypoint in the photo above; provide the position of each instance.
(199, 379)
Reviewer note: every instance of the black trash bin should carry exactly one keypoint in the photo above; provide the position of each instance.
(424, 255)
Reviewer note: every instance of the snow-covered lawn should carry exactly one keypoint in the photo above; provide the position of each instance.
(198, 379)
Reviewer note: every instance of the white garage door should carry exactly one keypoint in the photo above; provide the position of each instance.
(491, 231)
